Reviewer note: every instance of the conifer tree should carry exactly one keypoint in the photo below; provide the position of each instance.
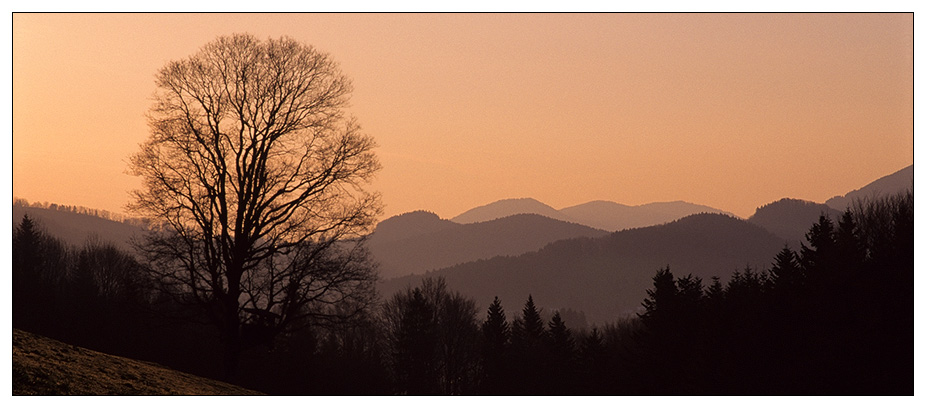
(848, 246)
(528, 329)
(662, 300)
(786, 274)
(27, 242)
(560, 336)
(495, 330)
(40, 264)
(496, 334)
(529, 352)
(690, 291)
(821, 244)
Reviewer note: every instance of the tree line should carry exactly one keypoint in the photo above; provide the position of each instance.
(833, 317)
(77, 209)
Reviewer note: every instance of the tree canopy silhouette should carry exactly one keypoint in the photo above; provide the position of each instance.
(256, 176)
(432, 333)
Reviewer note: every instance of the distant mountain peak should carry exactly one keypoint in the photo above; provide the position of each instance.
(411, 224)
(519, 200)
(423, 214)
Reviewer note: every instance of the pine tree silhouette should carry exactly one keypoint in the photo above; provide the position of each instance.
(496, 336)
(662, 300)
(786, 274)
(529, 352)
(528, 330)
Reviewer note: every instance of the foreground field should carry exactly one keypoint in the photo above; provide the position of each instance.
(42, 366)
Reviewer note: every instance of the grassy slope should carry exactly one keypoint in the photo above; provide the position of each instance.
(42, 366)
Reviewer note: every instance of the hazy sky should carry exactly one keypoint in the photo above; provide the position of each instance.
(731, 111)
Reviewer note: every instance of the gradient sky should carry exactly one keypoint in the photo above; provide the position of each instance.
(726, 110)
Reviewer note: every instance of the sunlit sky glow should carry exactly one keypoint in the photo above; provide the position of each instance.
(727, 110)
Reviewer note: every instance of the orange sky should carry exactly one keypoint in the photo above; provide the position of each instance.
(730, 111)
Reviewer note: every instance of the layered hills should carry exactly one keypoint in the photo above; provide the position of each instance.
(607, 276)
(604, 215)
(417, 242)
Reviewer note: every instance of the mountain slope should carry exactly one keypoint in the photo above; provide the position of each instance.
(611, 216)
(608, 276)
(451, 244)
(892, 183)
(790, 218)
(504, 208)
(42, 366)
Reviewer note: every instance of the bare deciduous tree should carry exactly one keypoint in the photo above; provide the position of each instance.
(256, 179)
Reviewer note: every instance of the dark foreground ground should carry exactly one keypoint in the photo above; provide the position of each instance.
(42, 366)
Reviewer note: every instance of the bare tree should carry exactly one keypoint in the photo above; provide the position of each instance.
(256, 179)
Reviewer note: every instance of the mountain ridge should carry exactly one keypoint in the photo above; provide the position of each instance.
(891, 183)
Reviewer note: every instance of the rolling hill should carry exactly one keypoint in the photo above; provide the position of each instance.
(790, 218)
